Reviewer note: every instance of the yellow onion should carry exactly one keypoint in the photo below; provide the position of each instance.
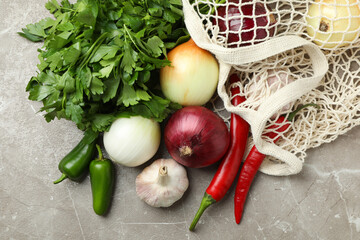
(333, 23)
(192, 77)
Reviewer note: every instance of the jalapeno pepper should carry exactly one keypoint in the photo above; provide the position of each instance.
(76, 163)
(102, 178)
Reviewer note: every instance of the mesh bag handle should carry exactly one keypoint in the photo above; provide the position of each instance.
(229, 57)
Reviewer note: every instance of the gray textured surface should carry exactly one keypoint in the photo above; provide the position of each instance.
(320, 203)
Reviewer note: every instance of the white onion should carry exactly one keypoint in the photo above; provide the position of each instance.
(132, 141)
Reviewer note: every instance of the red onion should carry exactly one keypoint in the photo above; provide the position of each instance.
(196, 137)
(251, 27)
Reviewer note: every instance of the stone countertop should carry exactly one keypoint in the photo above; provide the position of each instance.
(322, 202)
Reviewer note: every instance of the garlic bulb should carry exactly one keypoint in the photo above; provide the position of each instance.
(162, 183)
(263, 85)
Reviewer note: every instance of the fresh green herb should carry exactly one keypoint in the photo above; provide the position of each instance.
(100, 59)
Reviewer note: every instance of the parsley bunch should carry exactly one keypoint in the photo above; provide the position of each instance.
(100, 59)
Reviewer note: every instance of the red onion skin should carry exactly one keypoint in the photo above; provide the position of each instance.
(202, 131)
(248, 23)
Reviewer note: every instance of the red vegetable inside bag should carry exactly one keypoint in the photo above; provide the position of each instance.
(255, 158)
(251, 23)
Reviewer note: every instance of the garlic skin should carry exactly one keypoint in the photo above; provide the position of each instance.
(263, 85)
(162, 183)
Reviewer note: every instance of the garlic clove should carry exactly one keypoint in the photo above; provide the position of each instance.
(162, 183)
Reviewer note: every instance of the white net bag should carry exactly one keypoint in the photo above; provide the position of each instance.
(287, 54)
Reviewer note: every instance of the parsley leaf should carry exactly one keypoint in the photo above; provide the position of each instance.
(100, 59)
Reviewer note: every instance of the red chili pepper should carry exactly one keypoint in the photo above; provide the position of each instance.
(249, 170)
(254, 160)
(229, 167)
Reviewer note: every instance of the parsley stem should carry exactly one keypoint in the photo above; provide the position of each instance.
(132, 40)
(91, 50)
(81, 35)
(63, 101)
(68, 9)
(206, 8)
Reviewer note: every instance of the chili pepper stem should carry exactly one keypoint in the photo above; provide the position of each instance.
(205, 203)
(100, 152)
(62, 178)
(292, 115)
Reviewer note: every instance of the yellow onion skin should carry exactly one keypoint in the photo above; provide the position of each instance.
(333, 23)
(192, 78)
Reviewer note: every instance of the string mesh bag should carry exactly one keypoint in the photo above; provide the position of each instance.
(287, 54)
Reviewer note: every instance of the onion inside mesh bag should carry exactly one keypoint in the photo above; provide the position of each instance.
(326, 76)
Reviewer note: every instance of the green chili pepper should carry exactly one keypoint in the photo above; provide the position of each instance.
(75, 164)
(102, 178)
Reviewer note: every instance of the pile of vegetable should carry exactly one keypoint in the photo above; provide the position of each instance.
(99, 64)
(118, 68)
